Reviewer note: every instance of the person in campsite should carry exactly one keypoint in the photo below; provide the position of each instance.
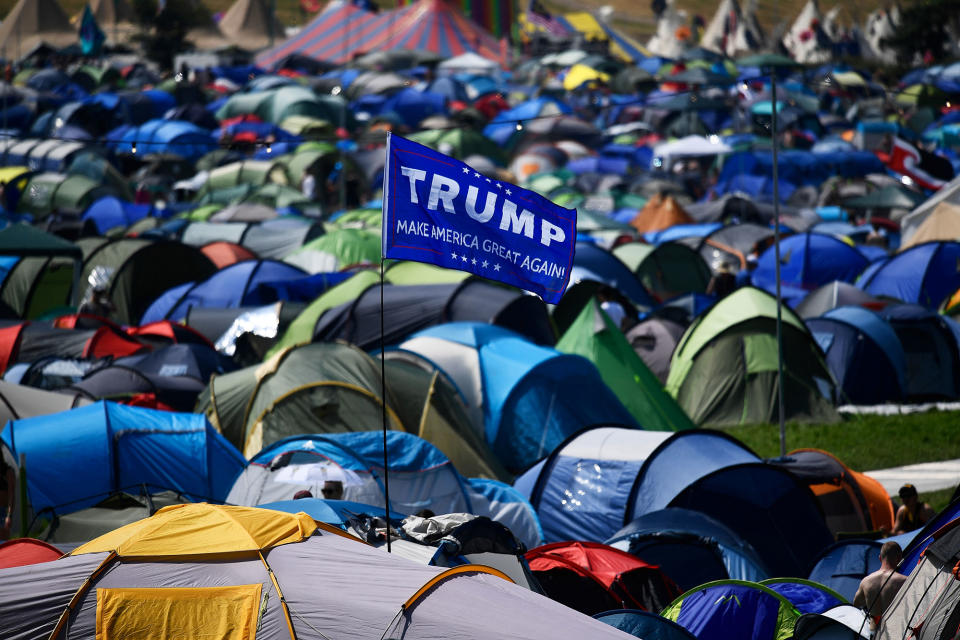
(912, 514)
(302, 494)
(878, 589)
(332, 490)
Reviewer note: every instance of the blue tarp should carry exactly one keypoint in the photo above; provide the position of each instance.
(77, 458)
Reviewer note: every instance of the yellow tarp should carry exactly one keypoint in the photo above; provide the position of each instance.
(203, 530)
(214, 613)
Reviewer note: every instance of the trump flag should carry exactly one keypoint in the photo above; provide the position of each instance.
(439, 210)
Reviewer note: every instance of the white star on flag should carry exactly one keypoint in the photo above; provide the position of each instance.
(508, 191)
(464, 258)
(489, 180)
(473, 261)
(496, 267)
(485, 264)
(476, 175)
(499, 186)
(466, 169)
(454, 256)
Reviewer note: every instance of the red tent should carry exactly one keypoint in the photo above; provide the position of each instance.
(570, 572)
(23, 551)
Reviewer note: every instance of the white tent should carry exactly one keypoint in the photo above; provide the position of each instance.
(34, 22)
(468, 62)
(689, 147)
(880, 24)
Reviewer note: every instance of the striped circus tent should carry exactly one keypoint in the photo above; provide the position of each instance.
(342, 31)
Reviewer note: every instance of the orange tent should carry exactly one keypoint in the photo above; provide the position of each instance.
(660, 212)
(223, 254)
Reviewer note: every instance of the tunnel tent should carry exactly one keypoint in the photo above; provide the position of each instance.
(136, 277)
(644, 624)
(665, 270)
(42, 270)
(806, 595)
(732, 608)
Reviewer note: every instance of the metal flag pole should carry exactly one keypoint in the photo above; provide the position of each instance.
(383, 412)
(776, 244)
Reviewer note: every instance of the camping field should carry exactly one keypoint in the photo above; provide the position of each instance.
(868, 442)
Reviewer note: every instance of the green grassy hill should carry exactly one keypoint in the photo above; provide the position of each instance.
(635, 18)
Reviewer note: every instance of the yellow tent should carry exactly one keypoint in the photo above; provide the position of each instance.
(580, 74)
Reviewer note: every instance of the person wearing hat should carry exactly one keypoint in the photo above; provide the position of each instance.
(912, 514)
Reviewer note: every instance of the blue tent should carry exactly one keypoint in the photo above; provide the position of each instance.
(918, 541)
(110, 212)
(77, 458)
(231, 287)
(421, 477)
(734, 609)
(332, 512)
(930, 343)
(807, 596)
(620, 474)
(504, 125)
(802, 167)
(530, 398)
(691, 547)
(591, 262)
(925, 274)
(644, 624)
(413, 106)
(163, 136)
(808, 260)
(863, 353)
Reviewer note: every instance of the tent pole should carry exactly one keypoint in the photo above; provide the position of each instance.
(776, 244)
(383, 412)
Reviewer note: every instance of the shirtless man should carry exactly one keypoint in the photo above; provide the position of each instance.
(913, 514)
(878, 589)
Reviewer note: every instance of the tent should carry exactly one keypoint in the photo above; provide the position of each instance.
(724, 369)
(19, 401)
(594, 337)
(928, 603)
(845, 563)
(835, 294)
(250, 24)
(930, 343)
(806, 40)
(594, 29)
(591, 262)
(690, 547)
(864, 355)
(660, 212)
(411, 308)
(732, 31)
(336, 250)
(654, 339)
(644, 624)
(234, 566)
(924, 274)
(34, 22)
(274, 239)
(139, 270)
(592, 577)
(343, 30)
(942, 224)
(41, 271)
(807, 596)
(526, 398)
(78, 457)
(420, 477)
(665, 270)
(47, 193)
(233, 286)
(20, 552)
(731, 608)
(807, 261)
(842, 622)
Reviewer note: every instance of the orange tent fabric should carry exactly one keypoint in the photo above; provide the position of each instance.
(223, 254)
(660, 212)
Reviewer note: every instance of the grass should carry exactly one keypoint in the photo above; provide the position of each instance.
(869, 442)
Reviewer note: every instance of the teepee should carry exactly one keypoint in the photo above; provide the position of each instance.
(880, 24)
(806, 40)
(116, 18)
(732, 31)
(34, 22)
(248, 23)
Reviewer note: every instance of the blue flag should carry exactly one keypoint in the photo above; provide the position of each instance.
(437, 209)
(91, 37)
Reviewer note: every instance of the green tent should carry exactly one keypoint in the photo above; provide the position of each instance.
(47, 192)
(141, 269)
(246, 172)
(301, 330)
(278, 196)
(666, 270)
(593, 336)
(462, 143)
(364, 218)
(45, 274)
(321, 387)
(336, 250)
(409, 272)
(724, 369)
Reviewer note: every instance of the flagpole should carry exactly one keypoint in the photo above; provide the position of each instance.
(776, 244)
(383, 411)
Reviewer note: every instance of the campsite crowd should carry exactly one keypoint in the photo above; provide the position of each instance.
(194, 322)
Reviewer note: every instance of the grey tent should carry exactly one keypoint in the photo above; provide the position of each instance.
(654, 340)
(836, 294)
(18, 401)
